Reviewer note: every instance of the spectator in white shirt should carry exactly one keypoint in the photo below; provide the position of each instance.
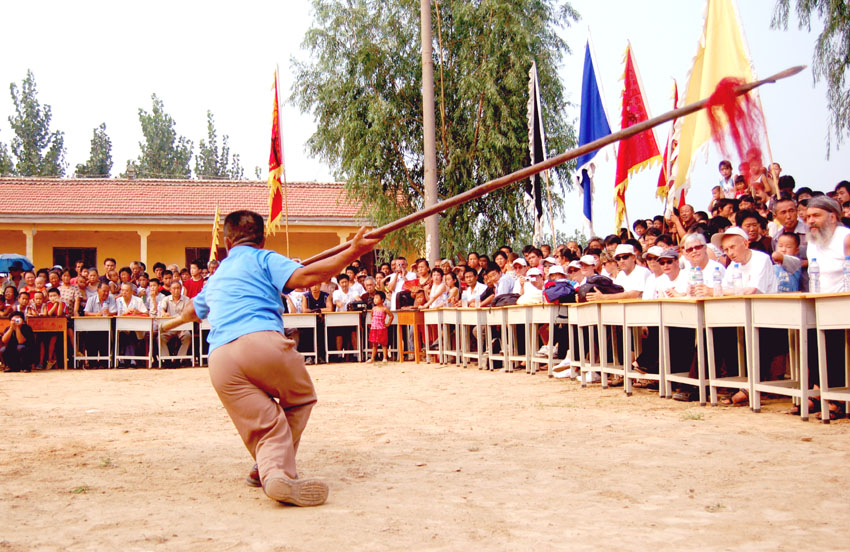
(177, 341)
(674, 281)
(533, 289)
(696, 253)
(399, 276)
(828, 242)
(342, 297)
(128, 304)
(756, 268)
(345, 295)
(655, 271)
(474, 288)
(630, 276)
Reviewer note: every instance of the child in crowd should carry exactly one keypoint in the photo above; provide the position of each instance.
(56, 308)
(381, 318)
(37, 306)
(788, 267)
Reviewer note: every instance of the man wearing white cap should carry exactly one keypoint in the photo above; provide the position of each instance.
(548, 262)
(574, 271)
(520, 267)
(755, 267)
(556, 273)
(631, 278)
(655, 270)
(588, 267)
(533, 289)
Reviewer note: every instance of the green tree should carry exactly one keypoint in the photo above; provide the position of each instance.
(6, 165)
(164, 153)
(831, 59)
(100, 157)
(37, 151)
(362, 84)
(214, 163)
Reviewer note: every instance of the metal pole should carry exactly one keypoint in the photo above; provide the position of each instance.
(432, 223)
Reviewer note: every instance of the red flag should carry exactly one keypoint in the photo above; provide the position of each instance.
(639, 151)
(275, 168)
(665, 177)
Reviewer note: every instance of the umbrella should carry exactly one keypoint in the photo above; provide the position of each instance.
(7, 260)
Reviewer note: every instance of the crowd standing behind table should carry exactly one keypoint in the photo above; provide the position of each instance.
(761, 235)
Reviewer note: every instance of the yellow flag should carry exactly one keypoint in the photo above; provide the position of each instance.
(215, 231)
(722, 52)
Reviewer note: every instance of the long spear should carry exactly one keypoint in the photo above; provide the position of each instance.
(560, 159)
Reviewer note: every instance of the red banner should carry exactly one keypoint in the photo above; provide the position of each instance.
(639, 151)
(275, 168)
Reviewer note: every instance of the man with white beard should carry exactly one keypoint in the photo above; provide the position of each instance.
(829, 243)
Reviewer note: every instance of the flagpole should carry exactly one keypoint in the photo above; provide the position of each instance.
(282, 158)
(549, 199)
(560, 159)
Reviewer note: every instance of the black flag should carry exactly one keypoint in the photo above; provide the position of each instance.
(536, 138)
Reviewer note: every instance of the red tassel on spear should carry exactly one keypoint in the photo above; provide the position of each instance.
(746, 120)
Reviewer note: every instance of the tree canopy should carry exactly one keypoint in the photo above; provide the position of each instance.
(36, 151)
(831, 59)
(213, 163)
(362, 83)
(164, 153)
(100, 155)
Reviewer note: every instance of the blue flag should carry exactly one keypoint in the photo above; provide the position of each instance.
(593, 125)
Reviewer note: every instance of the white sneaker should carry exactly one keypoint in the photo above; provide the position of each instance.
(566, 363)
(543, 351)
(593, 377)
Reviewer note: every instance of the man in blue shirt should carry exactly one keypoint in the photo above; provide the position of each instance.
(251, 362)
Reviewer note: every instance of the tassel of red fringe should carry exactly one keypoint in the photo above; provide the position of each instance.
(746, 121)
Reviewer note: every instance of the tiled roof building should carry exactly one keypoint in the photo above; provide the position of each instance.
(54, 219)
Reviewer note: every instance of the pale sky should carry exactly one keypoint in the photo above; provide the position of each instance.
(99, 62)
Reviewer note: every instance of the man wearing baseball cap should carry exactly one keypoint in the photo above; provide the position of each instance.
(674, 282)
(755, 267)
(532, 291)
(655, 270)
(588, 267)
(631, 277)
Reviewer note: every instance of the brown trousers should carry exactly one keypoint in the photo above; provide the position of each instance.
(249, 374)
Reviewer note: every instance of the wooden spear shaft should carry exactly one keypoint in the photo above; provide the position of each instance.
(560, 159)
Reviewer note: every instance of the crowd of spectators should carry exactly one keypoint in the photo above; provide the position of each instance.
(759, 234)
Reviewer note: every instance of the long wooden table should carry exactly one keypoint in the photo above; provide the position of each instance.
(46, 324)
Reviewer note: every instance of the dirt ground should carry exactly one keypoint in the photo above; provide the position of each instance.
(418, 457)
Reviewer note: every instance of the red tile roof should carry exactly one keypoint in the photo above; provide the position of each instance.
(158, 198)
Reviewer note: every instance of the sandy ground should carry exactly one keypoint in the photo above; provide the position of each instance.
(419, 458)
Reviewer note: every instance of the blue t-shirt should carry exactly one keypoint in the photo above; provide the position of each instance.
(787, 284)
(243, 296)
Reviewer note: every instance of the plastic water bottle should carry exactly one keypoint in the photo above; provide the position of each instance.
(718, 284)
(737, 279)
(847, 274)
(814, 276)
(698, 278)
